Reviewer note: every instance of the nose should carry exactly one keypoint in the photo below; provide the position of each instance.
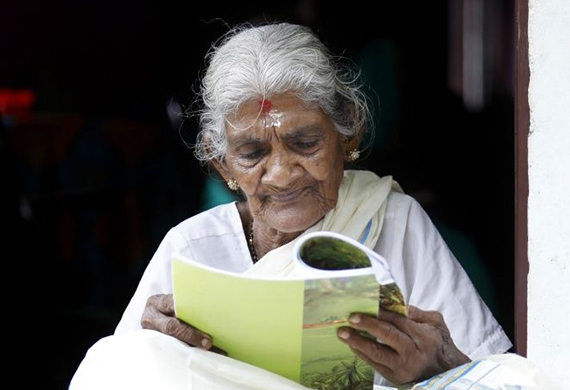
(281, 169)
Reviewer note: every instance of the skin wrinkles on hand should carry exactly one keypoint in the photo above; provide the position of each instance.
(413, 348)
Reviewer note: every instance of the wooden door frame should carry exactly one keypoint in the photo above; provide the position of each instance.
(522, 123)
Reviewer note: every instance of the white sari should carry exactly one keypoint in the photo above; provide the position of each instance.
(146, 359)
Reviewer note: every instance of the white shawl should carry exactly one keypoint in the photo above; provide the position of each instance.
(359, 214)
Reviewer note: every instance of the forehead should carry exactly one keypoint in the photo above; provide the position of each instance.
(286, 101)
(285, 111)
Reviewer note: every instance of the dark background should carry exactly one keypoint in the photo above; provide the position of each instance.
(95, 170)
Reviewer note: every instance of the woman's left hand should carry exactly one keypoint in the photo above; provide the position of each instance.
(409, 349)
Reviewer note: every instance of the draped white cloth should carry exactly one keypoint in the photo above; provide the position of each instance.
(370, 209)
(149, 360)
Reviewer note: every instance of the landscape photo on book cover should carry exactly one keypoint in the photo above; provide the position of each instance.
(326, 363)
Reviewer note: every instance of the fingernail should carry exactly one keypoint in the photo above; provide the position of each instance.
(206, 343)
(343, 334)
(355, 319)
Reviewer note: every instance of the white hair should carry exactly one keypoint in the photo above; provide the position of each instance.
(258, 62)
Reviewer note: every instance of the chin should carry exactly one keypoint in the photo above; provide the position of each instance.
(296, 223)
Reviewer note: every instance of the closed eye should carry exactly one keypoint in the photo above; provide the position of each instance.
(253, 154)
(251, 150)
(306, 144)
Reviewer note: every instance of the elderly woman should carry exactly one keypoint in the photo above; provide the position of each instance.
(280, 119)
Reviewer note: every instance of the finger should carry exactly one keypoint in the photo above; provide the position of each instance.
(159, 316)
(392, 317)
(174, 327)
(372, 352)
(407, 325)
(385, 332)
(163, 303)
(384, 370)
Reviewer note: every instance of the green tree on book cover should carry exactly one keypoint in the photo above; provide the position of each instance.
(328, 303)
(354, 375)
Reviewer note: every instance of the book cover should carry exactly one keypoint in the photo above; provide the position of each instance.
(288, 325)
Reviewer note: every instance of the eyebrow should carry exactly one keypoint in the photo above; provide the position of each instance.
(309, 130)
(245, 138)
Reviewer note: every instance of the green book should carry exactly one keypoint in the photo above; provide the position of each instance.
(288, 325)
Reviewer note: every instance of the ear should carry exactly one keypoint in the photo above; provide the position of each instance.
(353, 142)
(222, 169)
(350, 143)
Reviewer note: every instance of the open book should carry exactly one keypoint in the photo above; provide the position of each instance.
(288, 325)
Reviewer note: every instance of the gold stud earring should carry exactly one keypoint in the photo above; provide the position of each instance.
(353, 155)
(232, 184)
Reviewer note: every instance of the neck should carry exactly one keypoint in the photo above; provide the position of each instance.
(266, 239)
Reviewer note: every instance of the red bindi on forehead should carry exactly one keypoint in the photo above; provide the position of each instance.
(266, 105)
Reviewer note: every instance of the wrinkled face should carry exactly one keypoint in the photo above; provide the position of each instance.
(288, 160)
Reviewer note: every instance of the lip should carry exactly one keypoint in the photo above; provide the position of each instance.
(283, 197)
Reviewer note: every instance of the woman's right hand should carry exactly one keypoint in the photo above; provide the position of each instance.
(159, 315)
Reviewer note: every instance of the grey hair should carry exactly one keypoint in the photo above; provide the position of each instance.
(257, 62)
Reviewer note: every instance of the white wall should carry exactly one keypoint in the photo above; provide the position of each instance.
(549, 186)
